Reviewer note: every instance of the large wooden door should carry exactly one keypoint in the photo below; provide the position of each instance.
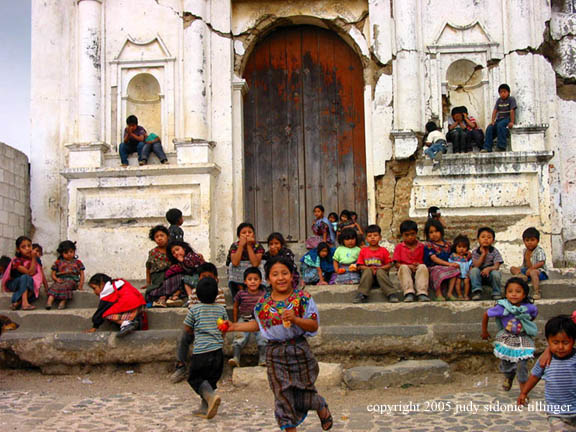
(303, 131)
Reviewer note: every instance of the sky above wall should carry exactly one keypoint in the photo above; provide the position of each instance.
(15, 17)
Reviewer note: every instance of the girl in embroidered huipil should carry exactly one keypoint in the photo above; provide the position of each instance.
(158, 261)
(285, 317)
(514, 342)
(322, 230)
(67, 274)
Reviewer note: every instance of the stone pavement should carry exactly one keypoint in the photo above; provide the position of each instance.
(167, 410)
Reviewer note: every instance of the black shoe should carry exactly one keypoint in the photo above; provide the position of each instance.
(408, 298)
(360, 298)
(393, 298)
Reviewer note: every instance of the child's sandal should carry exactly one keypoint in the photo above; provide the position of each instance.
(326, 422)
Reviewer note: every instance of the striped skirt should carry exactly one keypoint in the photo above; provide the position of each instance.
(167, 288)
(511, 347)
(292, 372)
(440, 273)
(348, 277)
(63, 290)
(125, 316)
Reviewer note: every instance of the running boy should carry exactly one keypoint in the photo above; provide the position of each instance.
(374, 263)
(244, 303)
(533, 263)
(560, 375)
(207, 360)
(409, 260)
(486, 261)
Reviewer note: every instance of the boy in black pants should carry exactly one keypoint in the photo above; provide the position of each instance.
(207, 358)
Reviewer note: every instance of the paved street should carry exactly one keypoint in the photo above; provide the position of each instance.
(65, 403)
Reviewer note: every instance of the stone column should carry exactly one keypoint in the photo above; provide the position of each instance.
(195, 71)
(89, 71)
(239, 87)
(408, 106)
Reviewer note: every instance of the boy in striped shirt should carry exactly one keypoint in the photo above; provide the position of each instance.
(559, 374)
(207, 358)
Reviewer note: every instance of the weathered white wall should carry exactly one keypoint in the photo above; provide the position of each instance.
(14, 198)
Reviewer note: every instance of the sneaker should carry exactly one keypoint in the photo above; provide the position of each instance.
(142, 162)
(393, 298)
(234, 362)
(496, 297)
(408, 298)
(500, 149)
(484, 151)
(179, 374)
(424, 298)
(476, 296)
(438, 156)
(165, 162)
(127, 327)
(124, 165)
(507, 384)
(360, 298)
(537, 295)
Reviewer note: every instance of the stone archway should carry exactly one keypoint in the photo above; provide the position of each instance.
(304, 139)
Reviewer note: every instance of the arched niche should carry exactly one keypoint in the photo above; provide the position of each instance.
(466, 85)
(145, 102)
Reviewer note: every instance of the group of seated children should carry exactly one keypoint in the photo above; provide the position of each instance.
(463, 129)
(449, 269)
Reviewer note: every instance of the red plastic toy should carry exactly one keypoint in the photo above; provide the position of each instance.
(223, 326)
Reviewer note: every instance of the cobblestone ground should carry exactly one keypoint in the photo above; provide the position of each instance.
(167, 407)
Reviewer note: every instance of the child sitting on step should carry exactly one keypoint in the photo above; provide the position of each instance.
(23, 276)
(461, 255)
(317, 266)
(120, 303)
(206, 270)
(514, 342)
(345, 258)
(243, 253)
(534, 261)
(67, 274)
(277, 248)
(486, 262)
(207, 360)
(244, 303)
(409, 260)
(157, 262)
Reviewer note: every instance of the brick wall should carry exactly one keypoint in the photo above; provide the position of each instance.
(14, 198)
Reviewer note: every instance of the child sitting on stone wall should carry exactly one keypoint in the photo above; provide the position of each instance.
(153, 144)
(503, 117)
(435, 140)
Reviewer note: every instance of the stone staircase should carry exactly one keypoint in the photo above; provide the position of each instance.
(355, 331)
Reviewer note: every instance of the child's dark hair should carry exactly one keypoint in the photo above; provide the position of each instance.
(345, 213)
(277, 260)
(352, 214)
(523, 284)
(252, 270)
(156, 229)
(173, 216)
(373, 229)
(38, 246)
(321, 246)
(408, 225)
(460, 240)
(207, 290)
(99, 278)
(334, 215)
(276, 236)
(132, 120)
(65, 246)
(431, 126)
(187, 249)
(503, 87)
(488, 230)
(347, 234)
(319, 207)
(242, 226)
(560, 324)
(19, 241)
(207, 267)
(531, 233)
(4, 261)
(433, 223)
(432, 211)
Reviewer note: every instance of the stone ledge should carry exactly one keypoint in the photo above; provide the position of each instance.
(410, 372)
(141, 171)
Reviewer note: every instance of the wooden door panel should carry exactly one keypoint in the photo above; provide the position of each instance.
(304, 131)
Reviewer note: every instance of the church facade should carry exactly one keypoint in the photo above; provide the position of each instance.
(268, 108)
